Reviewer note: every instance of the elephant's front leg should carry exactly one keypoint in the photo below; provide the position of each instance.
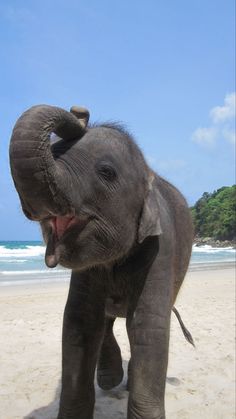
(148, 330)
(83, 330)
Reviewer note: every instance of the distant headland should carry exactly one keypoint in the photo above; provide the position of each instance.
(214, 217)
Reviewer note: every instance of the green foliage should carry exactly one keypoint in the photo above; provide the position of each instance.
(214, 214)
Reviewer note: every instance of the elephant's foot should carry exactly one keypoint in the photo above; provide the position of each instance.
(107, 379)
(109, 370)
(142, 407)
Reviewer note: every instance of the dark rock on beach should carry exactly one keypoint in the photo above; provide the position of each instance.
(202, 241)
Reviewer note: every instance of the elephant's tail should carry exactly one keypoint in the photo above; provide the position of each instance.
(185, 331)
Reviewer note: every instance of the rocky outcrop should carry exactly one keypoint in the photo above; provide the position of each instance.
(202, 241)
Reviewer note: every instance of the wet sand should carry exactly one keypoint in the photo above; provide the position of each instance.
(200, 381)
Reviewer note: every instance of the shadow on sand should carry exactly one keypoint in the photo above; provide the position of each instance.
(109, 404)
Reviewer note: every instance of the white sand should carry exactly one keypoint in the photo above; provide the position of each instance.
(200, 381)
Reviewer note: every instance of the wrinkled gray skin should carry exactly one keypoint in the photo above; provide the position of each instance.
(126, 234)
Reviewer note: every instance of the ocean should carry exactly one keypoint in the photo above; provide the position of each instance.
(22, 262)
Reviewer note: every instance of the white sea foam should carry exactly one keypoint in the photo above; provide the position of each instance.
(209, 249)
(28, 251)
(13, 260)
(36, 271)
(31, 259)
(37, 251)
(43, 280)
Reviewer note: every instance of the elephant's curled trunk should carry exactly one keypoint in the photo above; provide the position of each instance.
(37, 176)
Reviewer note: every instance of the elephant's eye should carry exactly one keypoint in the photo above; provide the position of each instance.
(106, 172)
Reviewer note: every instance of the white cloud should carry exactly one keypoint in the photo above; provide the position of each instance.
(224, 113)
(222, 124)
(170, 165)
(229, 135)
(205, 136)
(152, 161)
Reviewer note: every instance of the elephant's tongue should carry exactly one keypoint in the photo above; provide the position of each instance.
(51, 256)
(61, 224)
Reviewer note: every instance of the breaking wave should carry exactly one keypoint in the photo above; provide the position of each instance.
(23, 252)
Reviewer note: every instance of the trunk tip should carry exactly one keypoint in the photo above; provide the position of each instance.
(82, 114)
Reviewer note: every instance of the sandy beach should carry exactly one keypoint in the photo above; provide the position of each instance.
(200, 381)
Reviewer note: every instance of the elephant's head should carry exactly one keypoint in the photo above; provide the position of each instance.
(90, 190)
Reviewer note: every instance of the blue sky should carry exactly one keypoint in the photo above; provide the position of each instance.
(164, 68)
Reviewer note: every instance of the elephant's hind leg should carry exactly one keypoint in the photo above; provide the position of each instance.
(109, 370)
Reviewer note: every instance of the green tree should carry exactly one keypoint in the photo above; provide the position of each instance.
(214, 214)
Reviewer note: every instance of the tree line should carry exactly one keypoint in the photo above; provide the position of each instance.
(214, 214)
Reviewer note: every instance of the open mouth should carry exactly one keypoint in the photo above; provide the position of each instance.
(61, 226)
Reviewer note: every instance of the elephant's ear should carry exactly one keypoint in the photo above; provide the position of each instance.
(149, 224)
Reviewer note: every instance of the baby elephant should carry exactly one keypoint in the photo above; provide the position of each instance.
(125, 232)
